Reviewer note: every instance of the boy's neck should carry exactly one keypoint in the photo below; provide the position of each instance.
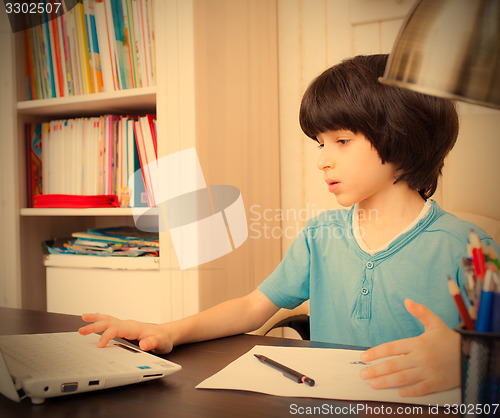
(383, 217)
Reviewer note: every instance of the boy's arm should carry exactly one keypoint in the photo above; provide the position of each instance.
(232, 317)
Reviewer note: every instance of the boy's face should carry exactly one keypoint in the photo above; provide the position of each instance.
(352, 168)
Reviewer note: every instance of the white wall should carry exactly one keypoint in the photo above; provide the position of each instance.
(316, 34)
(472, 170)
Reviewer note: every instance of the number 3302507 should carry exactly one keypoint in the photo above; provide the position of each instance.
(32, 8)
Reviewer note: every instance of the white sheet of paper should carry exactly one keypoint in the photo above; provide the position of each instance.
(336, 373)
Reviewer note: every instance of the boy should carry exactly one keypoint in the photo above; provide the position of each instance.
(382, 152)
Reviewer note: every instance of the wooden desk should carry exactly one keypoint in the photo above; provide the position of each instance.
(175, 396)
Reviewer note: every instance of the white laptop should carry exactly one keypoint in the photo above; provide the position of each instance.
(42, 366)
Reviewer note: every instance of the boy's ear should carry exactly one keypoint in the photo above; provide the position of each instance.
(397, 174)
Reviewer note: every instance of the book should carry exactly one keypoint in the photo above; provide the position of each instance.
(72, 42)
(82, 48)
(66, 55)
(145, 42)
(130, 32)
(147, 160)
(112, 44)
(47, 56)
(93, 46)
(103, 39)
(75, 201)
(151, 39)
(121, 44)
(56, 57)
(98, 248)
(30, 88)
(149, 139)
(138, 46)
(46, 151)
(120, 234)
(135, 176)
(34, 160)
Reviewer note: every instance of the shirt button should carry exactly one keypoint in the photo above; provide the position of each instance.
(365, 291)
(369, 265)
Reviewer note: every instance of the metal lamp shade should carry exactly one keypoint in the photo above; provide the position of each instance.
(449, 48)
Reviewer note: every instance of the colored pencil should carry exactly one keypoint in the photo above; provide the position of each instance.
(462, 310)
(478, 259)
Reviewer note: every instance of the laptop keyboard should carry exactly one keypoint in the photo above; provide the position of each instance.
(58, 354)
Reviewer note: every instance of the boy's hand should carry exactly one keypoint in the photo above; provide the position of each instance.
(151, 337)
(430, 362)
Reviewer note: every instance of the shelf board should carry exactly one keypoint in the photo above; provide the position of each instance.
(140, 100)
(76, 212)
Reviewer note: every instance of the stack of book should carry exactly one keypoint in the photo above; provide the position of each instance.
(104, 155)
(108, 242)
(96, 46)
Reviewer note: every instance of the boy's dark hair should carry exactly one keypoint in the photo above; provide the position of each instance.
(412, 130)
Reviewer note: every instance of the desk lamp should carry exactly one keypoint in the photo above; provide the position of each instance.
(449, 48)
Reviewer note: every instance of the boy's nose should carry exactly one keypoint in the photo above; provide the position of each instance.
(325, 161)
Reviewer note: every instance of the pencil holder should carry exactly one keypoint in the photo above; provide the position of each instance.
(480, 373)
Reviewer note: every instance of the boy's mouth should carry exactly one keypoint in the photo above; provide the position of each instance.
(333, 185)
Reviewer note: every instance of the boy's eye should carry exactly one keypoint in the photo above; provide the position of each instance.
(343, 141)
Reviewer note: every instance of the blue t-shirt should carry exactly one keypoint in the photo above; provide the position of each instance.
(357, 298)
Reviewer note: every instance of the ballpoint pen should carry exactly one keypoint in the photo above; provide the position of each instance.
(287, 372)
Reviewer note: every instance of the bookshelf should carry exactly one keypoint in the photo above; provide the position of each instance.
(200, 102)
(52, 282)
(119, 102)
